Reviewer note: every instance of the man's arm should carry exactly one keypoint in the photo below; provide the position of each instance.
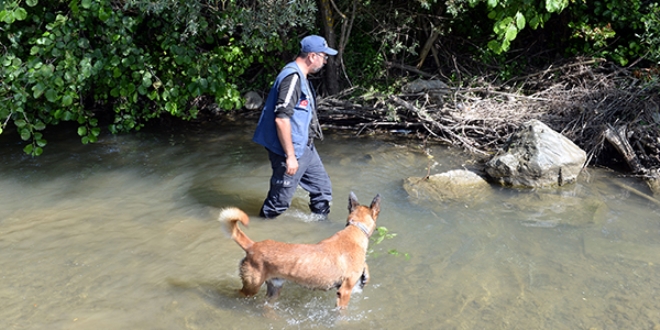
(283, 125)
(288, 95)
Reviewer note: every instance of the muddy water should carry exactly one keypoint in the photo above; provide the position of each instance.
(123, 235)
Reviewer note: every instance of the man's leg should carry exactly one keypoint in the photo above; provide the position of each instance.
(316, 181)
(282, 188)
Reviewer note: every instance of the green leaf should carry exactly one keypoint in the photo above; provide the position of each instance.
(520, 21)
(203, 83)
(7, 16)
(67, 116)
(104, 15)
(511, 33)
(146, 82)
(83, 43)
(142, 90)
(40, 125)
(38, 90)
(171, 107)
(28, 149)
(495, 46)
(25, 134)
(51, 95)
(534, 22)
(86, 4)
(67, 100)
(20, 123)
(82, 131)
(31, 3)
(20, 14)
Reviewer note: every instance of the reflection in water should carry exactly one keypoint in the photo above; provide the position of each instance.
(123, 234)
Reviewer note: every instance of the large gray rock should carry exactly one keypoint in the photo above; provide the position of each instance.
(456, 185)
(253, 100)
(537, 156)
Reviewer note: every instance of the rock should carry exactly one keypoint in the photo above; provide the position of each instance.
(599, 247)
(421, 85)
(456, 185)
(549, 209)
(536, 156)
(253, 101)
(654, 182)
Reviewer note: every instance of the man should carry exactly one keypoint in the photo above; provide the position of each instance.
(288, 127)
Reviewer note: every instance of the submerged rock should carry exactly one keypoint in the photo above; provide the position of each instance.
(456, 185)
(654, 183)
(549, 210)
(537, 156)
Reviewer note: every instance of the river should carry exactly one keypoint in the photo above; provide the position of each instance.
(122, 234)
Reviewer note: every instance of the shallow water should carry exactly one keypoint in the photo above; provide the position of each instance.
(122, 234)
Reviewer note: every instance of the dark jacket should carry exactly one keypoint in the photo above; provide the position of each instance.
(266, 132)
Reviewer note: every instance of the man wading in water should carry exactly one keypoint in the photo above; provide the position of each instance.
(287, 128)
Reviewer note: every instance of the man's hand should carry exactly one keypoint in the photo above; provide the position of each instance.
(284, 134)
(291, 165)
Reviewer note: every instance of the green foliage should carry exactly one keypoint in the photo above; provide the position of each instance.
(651, 35)
(610, 28)
(131, 61)
(381, 234)
(602, 28)
(382, 33)
(512, 16)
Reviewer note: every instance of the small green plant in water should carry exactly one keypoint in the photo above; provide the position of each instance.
(381, 234)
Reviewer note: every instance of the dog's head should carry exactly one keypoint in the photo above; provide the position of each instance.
(362, 216)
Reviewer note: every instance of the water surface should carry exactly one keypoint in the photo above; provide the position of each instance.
(122, 234)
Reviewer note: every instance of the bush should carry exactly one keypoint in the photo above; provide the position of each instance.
(130, 61)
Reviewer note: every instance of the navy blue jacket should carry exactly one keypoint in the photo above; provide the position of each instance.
(266, 133)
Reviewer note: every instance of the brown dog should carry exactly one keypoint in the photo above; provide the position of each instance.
(336, 262)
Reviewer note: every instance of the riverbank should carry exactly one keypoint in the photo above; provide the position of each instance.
(610, 112)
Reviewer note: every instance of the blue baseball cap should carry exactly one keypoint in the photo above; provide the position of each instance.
(316, 44)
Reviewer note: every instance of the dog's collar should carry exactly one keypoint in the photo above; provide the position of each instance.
(362, 227)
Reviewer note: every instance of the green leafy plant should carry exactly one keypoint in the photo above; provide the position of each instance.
(127, 62)
(512, 16)
(381, 234)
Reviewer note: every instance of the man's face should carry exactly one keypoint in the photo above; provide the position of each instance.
(318, 61)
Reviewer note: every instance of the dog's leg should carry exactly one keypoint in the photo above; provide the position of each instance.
(344, 293)
(364, 279)
(251, 277)
(274, 285)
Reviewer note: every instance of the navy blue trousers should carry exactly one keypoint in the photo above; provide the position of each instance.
(311, 176)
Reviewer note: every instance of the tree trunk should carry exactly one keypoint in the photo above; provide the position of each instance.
(331, 78)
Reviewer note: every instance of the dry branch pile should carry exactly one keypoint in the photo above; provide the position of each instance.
(602, 109)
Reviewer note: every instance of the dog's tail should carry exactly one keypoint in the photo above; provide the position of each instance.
(229, 218)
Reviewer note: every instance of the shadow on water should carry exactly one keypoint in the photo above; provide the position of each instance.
(206, 192)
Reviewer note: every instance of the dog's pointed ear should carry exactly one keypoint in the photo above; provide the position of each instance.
(352, 202)
(375, 206)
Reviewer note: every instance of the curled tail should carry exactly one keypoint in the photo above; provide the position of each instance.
(230, 218)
